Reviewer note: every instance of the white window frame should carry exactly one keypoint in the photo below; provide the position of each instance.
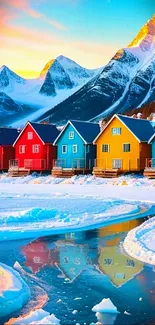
(74, 146)
(64, 145)
(30, 135)
(35, 148)
(22, 149)
(114, 160)
(108, 146)
(118, 131)
(71, 135)
(124, 144)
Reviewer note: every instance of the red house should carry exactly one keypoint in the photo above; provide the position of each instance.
(34, 150)
(7, 152)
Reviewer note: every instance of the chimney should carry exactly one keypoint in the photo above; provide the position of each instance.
(139, 116)
(102, 124)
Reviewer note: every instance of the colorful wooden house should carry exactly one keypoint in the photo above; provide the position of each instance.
(75, 149)
(37, 255)
(123, 146)
(34, 150)
(7, 152)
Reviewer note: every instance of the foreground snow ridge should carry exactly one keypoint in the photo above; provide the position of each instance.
(37, 317)
(14, 293)
(140, 242)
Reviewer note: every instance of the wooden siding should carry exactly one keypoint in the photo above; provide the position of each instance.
(6, 153)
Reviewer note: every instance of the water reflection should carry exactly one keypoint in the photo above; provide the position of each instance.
(80, 269)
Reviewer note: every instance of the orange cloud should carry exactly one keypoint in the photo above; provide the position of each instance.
(25, 7)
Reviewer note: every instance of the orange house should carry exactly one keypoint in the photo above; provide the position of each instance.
(123, 144)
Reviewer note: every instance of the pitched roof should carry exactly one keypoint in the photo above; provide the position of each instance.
(142, 129)
(8, 136)
(87, 130)
(47, 132)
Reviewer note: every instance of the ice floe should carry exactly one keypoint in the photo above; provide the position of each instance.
(140, 242)
(14, 292)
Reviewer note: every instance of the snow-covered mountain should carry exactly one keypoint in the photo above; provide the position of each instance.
(63, 73)
(7, 105)
(127, 81)
(59, 79)
(9, 80)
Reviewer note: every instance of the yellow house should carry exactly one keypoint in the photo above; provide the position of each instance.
(123, 144)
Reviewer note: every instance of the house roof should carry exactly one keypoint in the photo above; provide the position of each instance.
(47, 132)
(140, 128)
(8, 136)
(86, 130)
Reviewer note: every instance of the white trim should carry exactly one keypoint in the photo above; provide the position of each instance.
(69, 122)
(28, 123)
(34, 146)
(74, 145)
(64, 145)
(151, 138)
(20, 147)
(116, 116)
(114, 159)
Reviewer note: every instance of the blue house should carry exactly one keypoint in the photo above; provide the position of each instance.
(75, 148)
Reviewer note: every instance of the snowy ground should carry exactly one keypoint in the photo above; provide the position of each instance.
(140, 242)
(14, 292)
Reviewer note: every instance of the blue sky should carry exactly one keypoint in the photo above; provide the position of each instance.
(88, 31)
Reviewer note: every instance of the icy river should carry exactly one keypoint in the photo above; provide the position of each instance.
(69, 274)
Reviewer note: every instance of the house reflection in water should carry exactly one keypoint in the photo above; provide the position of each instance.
(119, 267)
(73, 259)
(38, 254)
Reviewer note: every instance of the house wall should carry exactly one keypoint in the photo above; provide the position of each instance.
(129, 159)
(90, 156)
(70, 157)
(145, 152)
(6, 153)
(47, 152)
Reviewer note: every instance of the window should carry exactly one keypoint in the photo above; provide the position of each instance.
(116, 131)
(87, 148)
(22, 149)
(105, 148)
(65, 260)
(30, 135)
(116, 163)
(71, 135)
(77, 261)
(64, 149)
(119, 276)
(35, 148)
(130, 263)
(126, 147)
(108, 261)
(74, 148)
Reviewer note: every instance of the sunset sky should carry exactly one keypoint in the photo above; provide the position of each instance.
(33, 32)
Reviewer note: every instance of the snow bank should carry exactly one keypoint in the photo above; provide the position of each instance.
(37, 317)
(130, 180)
(140, 242)
(105, 306)
(14, 293)
(66, 216)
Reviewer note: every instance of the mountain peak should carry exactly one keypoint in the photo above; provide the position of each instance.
(4, 67)
(145, 39)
